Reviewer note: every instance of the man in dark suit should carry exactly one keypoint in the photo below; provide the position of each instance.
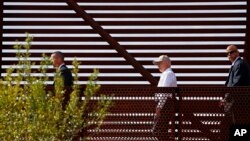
(58, 62)
(239, 75)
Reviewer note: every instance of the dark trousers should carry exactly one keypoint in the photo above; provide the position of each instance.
(237, 115)
(225, 127)
(161, 127)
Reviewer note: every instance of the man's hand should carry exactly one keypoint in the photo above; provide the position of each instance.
(222, 103)
(158, 111)
(228, 98)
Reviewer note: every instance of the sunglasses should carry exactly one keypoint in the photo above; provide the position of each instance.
(231, 52)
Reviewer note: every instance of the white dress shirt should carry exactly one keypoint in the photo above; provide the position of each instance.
(61, 66)
(167, 79)
(235, 60)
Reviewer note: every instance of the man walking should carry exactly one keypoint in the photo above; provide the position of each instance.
(239, 75)
(165, 105)
(58, 62)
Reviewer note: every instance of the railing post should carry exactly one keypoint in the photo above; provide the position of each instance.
(178, 117)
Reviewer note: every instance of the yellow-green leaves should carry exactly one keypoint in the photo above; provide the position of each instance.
(31, 112)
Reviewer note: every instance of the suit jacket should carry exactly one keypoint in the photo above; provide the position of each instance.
(239, 74)
(66, 75)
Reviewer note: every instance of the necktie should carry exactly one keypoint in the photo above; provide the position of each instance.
(229, 75)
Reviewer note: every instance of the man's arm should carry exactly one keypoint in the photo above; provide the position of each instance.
(238, 74)
(67, 77)
(162, 97)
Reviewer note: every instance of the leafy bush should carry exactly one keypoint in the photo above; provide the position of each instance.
(29, 111)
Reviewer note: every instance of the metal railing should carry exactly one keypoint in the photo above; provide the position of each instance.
(195, 113)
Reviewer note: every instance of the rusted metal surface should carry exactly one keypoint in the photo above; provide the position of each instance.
(205, 72)
(112, 42)
(197, 115)
(189, 72)
(247, 46)
(1, 37)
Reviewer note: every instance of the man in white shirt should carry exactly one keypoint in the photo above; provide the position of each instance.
(164, 109)
(168, 78)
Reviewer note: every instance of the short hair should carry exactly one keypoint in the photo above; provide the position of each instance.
(60, 54)
(167, 59)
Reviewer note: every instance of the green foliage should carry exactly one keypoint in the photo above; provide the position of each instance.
(29, 111)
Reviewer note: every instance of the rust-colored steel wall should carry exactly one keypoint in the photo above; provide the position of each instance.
(193, 33)
(196, 114)
(1, 37)
(247, 47)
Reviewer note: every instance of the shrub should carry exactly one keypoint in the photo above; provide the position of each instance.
(29, 111)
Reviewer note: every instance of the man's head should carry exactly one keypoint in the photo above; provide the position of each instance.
(232, 53)
(57, 58)
(163, 62)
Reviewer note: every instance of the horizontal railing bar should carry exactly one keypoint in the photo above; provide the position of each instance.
(127, 19)
(124, 11)
(132, 27)
(126, 4)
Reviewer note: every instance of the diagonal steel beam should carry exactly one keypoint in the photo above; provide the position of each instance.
(112, 42)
